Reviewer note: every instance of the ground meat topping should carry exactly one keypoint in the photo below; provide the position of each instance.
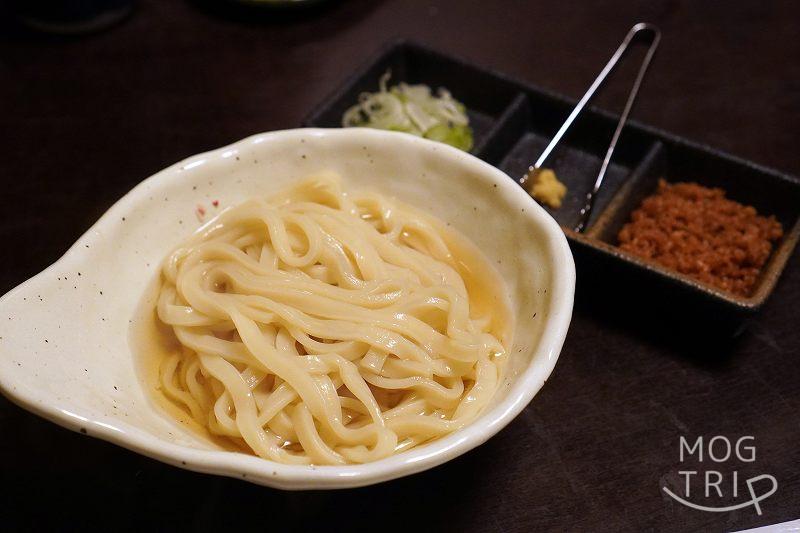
(698, 232)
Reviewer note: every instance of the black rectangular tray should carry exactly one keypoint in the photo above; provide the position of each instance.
(513, 122)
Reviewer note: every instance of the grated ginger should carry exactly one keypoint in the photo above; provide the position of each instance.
(546, 188)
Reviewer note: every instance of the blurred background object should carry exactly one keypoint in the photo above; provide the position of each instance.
(281, 4)
(70, 17)
(264, 11)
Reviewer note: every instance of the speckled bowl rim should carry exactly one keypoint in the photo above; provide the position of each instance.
(293, 477)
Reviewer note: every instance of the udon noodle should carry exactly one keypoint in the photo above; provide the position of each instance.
(320, 327)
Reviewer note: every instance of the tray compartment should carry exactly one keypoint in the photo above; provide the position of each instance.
(577, 158)
(770, 192)
(485, 96)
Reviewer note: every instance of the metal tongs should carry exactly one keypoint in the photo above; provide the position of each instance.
(641, 32)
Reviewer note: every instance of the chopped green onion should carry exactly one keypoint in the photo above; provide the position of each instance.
(413, 109)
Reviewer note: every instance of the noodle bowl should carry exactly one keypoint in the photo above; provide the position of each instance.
(321, 327)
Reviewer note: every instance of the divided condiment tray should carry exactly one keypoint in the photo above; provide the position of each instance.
(513, 122)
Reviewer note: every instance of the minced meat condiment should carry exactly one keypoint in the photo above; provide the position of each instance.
(698, 232)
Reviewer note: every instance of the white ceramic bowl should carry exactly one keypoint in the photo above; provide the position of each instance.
(64, 347)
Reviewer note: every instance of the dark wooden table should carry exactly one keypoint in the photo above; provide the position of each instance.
(85, 119)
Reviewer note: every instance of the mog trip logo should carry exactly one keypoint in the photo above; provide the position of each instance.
(717, 479)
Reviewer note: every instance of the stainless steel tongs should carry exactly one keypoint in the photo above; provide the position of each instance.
(640, 32)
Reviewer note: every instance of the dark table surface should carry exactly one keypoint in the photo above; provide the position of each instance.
(85, 119)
